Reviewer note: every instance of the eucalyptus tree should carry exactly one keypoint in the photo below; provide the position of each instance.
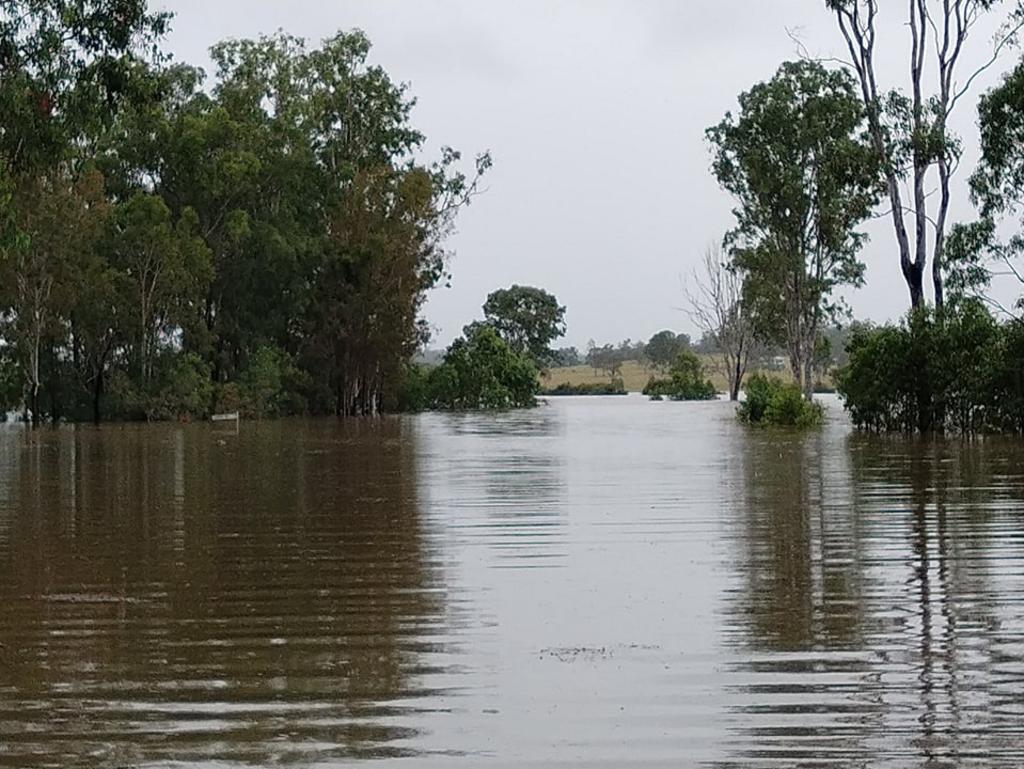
(663, 348)
(804, 176)
(529, 319)
(716, 304)
(66, 67)
(163, 269)
(977, 249)
(909, 128)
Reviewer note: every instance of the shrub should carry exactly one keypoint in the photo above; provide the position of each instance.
(181, 388)
(686, 381)
(959, 372)
(773, 402)
(615, 387)
(480, 371)
(261, 385)
(413, 393)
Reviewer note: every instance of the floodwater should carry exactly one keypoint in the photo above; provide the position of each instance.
(602, 582)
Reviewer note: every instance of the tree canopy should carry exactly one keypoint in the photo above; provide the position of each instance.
(529, 319)
(157, 227)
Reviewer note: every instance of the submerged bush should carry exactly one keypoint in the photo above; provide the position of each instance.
(182, 390)
(774, 402)
(480, 371)
(614, 387)
(686, 382)
(960, 372)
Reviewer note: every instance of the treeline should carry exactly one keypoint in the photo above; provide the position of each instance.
(173, 244)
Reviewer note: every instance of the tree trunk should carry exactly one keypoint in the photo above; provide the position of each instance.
(34, 405)
(808, 381)
(736, 380)
(913, 273)
(97, 395)
(938, 258)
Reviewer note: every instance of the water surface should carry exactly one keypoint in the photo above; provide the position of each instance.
(597, 582)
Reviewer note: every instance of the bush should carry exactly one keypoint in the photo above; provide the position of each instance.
(615, 387)
(413, 393)
(480, 371)
(959, 372)
(181, 389)
(773, 402)
(686, 381)
(261, 385)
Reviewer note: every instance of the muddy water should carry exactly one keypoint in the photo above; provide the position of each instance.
(599, 582)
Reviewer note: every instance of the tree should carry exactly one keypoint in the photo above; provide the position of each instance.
(804, 177)
(274, 230)
(566, 356)
(528, 319)
(605, 358)
(58, 221)
(910, 134)
(163, 271)
(664, 347)
(65, 68)
(997, 188)
(716, 305)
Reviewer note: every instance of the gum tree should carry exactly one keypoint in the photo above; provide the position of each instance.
(909, 128)
(804, 178)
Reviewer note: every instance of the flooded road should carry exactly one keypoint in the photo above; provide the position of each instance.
(597, 582)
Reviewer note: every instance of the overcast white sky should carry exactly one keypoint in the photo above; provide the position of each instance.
(594, 111)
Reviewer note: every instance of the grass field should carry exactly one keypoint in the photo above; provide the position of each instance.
(634, 375)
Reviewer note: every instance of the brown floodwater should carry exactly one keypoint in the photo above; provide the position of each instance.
(602, 582)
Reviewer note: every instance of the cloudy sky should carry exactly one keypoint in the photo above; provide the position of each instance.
(594, 111)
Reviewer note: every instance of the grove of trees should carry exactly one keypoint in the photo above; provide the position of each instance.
(172, 243)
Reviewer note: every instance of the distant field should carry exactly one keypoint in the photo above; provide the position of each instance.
(634, 375)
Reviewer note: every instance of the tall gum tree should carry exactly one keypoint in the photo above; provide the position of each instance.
(804, 178)
(909, 128)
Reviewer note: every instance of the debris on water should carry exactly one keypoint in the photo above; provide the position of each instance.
(573, 653)
(591, 653)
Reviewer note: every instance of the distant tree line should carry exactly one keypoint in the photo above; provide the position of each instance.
(171, 245)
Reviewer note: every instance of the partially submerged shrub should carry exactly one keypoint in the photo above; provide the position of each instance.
(774, 402)
(959, 372)
(614, 387)
(480, 371)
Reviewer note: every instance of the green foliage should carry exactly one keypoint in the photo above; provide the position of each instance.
(529, 319)
(958, 372)
(262, 384)
(274, 227)
(180, 389)
(686, 381)
(615, 387)
(772, 402)
(804, 176)
(664, 347)
(183, 390)
(65, 69)
(414, 392)
(975, 249)
(481, 371)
